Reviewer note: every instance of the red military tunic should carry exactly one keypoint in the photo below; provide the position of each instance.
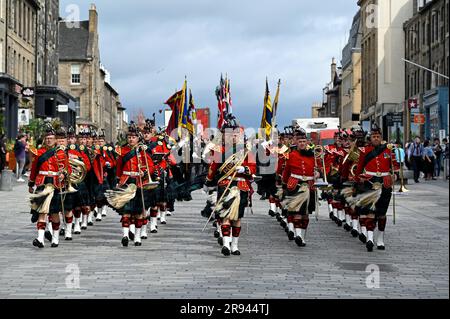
(51, 168)
(375, 163)
(243, 179)
(299, 167)
(128, 166)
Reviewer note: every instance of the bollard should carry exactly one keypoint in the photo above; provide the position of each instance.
(6, 180)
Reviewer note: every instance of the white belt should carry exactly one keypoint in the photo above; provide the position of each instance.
(303, 178)
(131, 174)
(237, 179)
(46, 173)
(378, 174)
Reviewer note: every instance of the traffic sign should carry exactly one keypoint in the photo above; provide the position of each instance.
(419, 119)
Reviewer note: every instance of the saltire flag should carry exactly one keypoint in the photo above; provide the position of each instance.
(174, 103)
(266, 122)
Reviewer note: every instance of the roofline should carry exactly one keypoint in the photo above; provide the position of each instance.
(111, 88)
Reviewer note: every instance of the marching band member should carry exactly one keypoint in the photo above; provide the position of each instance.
(49, 172)
(81, 197)
(103, 162)
(234, 185)
(134, 170)
(373, 174)
(298, 185)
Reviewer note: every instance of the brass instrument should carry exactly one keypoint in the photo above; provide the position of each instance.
(79, 170)
(319, 153)
(150, 184)
(228, 186)
(230, 165)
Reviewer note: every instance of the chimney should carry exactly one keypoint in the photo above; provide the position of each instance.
(333, 69)
(93, 19)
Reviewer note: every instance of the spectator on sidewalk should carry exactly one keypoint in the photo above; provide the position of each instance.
(429, 159)
(415, 155)
(446, 158)
(20, 154)
(438, 152)
(2, 152)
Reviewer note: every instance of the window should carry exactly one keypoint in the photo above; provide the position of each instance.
(1, 9)
(76, 76)
(77, 107)
(442, 29)
(424, 30)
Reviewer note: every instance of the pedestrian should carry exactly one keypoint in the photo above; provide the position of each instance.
(20, 155)
(445, 152)
(399, 156)
(415, 155)
(438, 152)
(2, 153)
(428, 159)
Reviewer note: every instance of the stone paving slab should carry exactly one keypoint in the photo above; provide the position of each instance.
(182, 262)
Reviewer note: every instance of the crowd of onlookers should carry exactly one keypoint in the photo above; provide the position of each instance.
(427, 159)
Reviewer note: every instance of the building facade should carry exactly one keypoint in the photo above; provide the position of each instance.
(18, 57)
(50, 100)
(427, 44)
(82, 75)
(382, 51)
(351, 77)
(331, 94)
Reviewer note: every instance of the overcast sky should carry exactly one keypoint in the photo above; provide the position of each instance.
(148, 46)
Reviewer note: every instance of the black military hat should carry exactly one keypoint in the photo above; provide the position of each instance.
(133, 129)
(61, 132)
(149, 124)
(101, 134)
(49, 130)
(71, 132)
(357, 132)
(374, 128)
(230, 122)
(299, 132)
(93, 132)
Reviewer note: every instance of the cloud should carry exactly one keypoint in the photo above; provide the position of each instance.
(149, 46)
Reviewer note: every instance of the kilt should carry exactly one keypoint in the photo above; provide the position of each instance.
(244, 198)
(134, 206)
(99, 192)
(55, 204)
(82, 197)
(267, 185)
(382, 205)
(305, 208)
(90, 182)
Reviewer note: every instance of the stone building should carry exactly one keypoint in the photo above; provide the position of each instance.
(82, 75)
(351, 77)
(427, 44)
(382, 50)
(17, 59)
(331, 94)
(50, 100)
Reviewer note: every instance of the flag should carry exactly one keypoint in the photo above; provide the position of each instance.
(275, 102)
(192, 111)
(184, 109)
(174, 103)
(266, 122)
(224, 103)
